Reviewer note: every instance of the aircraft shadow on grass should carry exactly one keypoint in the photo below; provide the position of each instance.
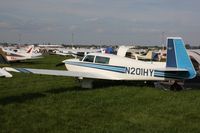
(21, 98)
(32, 96)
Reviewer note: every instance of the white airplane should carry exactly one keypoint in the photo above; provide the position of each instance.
(77, 52)
(18, 55)
(112, 67)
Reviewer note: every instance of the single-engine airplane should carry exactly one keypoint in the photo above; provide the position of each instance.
(19, 55)
(93, 66)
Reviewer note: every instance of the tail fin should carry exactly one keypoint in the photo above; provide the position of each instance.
(177, 56)
(30, 49)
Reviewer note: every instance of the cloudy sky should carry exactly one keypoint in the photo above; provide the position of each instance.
(99, 21)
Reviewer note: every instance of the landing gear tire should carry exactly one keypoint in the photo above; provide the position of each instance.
(85, 83)
(176, 87)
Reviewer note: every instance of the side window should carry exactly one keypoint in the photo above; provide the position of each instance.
(89, 58)
(103, 60)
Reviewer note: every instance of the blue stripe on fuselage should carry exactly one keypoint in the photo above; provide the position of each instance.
(119, 69)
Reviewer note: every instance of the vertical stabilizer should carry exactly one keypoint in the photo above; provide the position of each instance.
(30, 49)
(177, 56)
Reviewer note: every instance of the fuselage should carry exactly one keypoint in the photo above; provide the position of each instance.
(115, 67)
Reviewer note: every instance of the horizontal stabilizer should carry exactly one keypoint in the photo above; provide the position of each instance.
(173, 73)
(173, 69)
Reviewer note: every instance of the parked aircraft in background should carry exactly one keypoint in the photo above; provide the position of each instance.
(19, 54)
(137, 54)
(195, 58)
(94, 66)
(77, 52)
(150, 56)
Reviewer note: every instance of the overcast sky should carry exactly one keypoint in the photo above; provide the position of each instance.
(95, 21)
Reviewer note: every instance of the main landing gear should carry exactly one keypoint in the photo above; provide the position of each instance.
(170, 85)
(176, 86)
(85, 83)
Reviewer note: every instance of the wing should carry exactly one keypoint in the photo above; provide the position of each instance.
(4, 73)
(167, 69)
(59, 73)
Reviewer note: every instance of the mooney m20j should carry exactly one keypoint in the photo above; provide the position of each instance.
(112, 67)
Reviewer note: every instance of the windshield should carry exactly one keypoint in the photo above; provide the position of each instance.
(89, 58)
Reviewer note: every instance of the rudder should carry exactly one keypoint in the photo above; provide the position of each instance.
(177, 56)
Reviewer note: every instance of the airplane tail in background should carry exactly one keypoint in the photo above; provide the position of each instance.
(30, 49)
(177, 56)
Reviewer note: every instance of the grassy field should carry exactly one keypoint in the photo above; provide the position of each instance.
(37, 103)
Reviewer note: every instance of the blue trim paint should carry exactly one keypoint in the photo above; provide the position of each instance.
(119, 69)
(172, 77)
(23, 70)
(171, 55)
(183, 59)
(177, 57)
(172, 74)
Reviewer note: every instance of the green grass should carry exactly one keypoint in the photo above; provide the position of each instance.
(38, 103)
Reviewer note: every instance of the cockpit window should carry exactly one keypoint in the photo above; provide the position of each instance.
(89, 58)
(103, 60)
